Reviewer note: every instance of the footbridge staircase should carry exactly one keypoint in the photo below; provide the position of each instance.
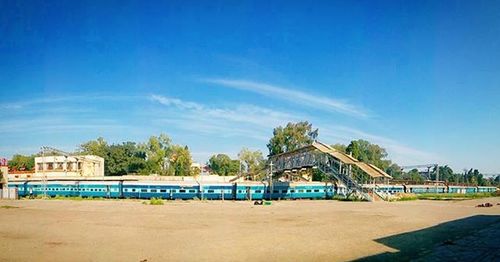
(335, 164)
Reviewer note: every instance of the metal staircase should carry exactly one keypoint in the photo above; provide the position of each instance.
(331, 167)
(326, 163)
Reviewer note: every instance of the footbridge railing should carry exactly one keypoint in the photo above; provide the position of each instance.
(328, 161)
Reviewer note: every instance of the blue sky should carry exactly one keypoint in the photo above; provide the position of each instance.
(420, 78)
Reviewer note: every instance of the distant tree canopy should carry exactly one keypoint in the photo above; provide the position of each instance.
(22, 163)
(223, 165)
(291, 137)
(296, 135)
(253, 161)
(180, 161)
(157, 156)
(369, 153)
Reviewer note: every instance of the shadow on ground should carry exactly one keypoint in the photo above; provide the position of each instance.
(468, 236)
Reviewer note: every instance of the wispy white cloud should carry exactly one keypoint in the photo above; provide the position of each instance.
(294, 96)
(398, 152)
(55, 125)
(257, 123)
(16, 105)
(239, 115)
(169, 101)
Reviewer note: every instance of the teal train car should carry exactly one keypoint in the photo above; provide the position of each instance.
(486, 189)
(421, 189)
(215, 191)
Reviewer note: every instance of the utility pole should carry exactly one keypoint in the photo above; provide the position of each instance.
(270, 180)
(437, 177)
(44, 177)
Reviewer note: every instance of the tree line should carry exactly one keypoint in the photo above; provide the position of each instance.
(296, 135)
(158, 155)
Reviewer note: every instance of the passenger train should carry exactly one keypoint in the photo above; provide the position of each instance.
(217, 191)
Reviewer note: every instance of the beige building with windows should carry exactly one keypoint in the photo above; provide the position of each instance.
(87, 166)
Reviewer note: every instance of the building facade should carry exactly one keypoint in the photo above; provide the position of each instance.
(87, 166)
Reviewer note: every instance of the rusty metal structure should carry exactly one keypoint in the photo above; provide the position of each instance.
(336, 165)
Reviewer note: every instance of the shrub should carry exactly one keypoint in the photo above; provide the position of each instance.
(155, 201)
(453, 196)
(404, 197)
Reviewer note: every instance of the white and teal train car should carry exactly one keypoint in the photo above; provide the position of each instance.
(215, 191)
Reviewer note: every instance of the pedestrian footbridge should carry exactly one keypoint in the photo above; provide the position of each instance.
(337, 165)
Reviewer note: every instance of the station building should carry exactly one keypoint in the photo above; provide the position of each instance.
(85, 165)
(64, 166)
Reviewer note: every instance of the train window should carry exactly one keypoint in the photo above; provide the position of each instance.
(276, 191)
(163, 190)
(133, 189)
(182, 191)
(152, 190)
(292, 191)
(210, 191)
(144, 190)
(239, 191)
(301, 190)
(308, 190)
(192, 191)
(316, 190)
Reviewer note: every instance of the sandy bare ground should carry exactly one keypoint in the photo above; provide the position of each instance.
(127, 230)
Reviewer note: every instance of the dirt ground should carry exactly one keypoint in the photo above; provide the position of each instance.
(127, 230)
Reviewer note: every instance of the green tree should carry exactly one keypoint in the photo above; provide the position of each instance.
(395, 171)
(369, 153)
(253, 161)
(414, 175)
(291, 137)
(22, 162)
(180, 161)
(98, 147)
(125, 158)
(158, 151)
(340, 147)
(223, 165)
(445, 174)
(497, 180)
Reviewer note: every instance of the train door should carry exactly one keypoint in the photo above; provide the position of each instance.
(108, 191)
(120, 189)
(235, 191)
(249, 193)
